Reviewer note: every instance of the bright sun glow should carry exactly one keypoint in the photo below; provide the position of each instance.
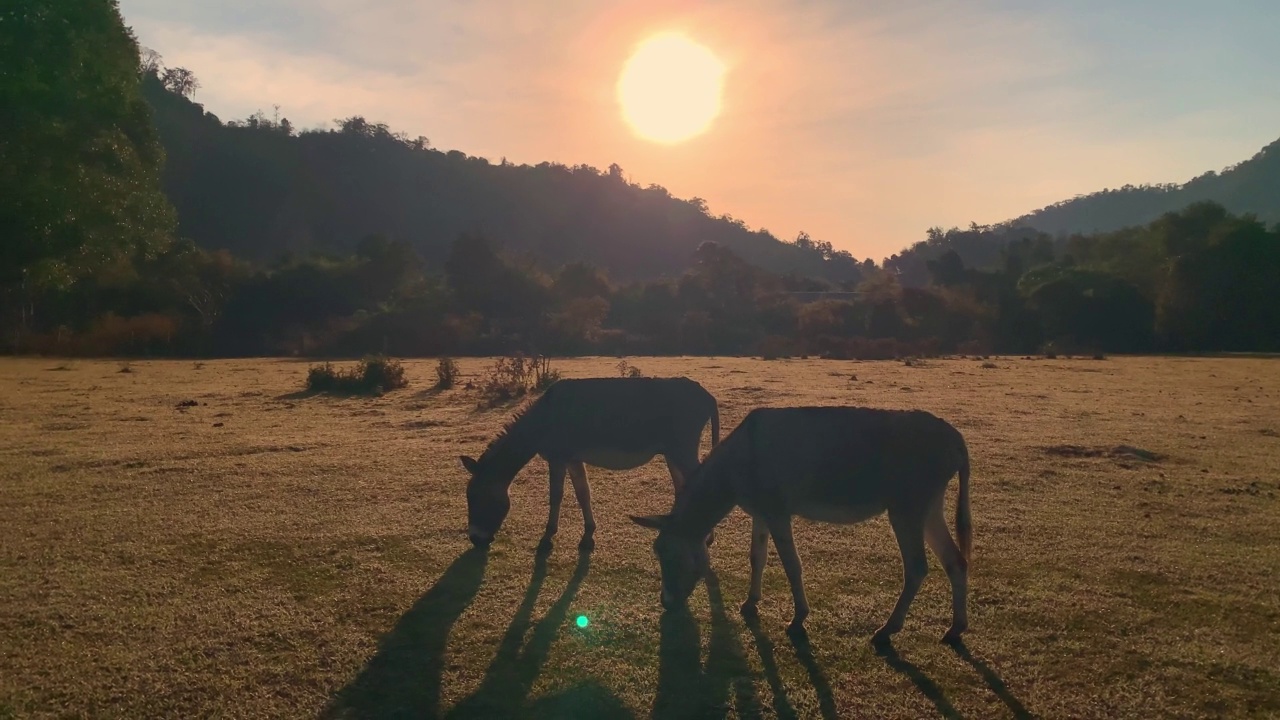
(670, 88)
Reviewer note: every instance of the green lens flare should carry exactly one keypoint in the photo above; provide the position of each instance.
(583, 621)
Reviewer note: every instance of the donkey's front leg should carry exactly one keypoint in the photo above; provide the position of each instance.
(556, 472)
(780, 529)
(578, 475)
(759, 553)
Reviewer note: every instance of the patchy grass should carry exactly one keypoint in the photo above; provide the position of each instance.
(308, 559)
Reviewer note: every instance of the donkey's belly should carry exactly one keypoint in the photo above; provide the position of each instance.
(838, 514)
(611, 459)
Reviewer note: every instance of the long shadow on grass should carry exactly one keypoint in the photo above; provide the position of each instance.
(804, 653)
(686, 689)
(403, 678)
(764, 648)
(993, 681)
(514, 669)
(921, 681)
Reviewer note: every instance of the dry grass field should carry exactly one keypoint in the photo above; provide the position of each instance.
(269, 554)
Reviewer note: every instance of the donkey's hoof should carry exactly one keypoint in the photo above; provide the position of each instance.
(749, 610)
(796, 628)
(545, 545)
(587, 544)
(883, 636)
(953, 636)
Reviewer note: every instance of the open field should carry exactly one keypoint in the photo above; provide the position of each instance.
(265, 553)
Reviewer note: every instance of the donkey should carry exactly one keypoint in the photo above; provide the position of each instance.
(612, 423)
(841, 465)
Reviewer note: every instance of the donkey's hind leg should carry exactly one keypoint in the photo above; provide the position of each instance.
(953, 561)
(784, 542)
(908, 528)
(578, 475)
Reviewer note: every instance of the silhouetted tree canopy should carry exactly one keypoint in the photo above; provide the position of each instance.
(359, 239)
(79, 156)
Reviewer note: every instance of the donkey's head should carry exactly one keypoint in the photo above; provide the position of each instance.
(487, 502)
(681, 558)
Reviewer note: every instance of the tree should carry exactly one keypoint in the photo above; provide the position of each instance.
(151, 61)
(79, 157)
(180, 81)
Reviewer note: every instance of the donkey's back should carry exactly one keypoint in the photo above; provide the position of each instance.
(626, 414)
(846, 464)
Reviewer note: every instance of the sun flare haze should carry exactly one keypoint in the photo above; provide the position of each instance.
(670, 88)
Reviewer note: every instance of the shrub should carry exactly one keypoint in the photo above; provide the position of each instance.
(513, 377)
(372, 376)
(446, 373)
(543, 376)
(628, 370)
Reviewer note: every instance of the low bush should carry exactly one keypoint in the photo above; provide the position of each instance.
(627, 370)
(446, 373)
(373, 375)
(515, 376)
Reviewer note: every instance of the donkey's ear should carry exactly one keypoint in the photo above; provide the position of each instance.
(469, 463)
(650, 521)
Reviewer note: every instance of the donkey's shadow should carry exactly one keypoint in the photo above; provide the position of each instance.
(687, 688)
(403, 678)
(517, 664)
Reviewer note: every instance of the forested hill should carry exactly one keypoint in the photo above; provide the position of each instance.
(261, 190)
(1252, 186)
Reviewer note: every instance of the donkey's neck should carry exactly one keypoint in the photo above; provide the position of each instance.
(516, 446)
(707, 500)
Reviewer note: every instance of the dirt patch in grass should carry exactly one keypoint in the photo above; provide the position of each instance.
(1119, 452)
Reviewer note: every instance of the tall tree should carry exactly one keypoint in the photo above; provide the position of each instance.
(79, 157)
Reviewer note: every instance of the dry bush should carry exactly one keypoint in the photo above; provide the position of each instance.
(446, 373)
(372, 376)
(514, 376)
(628, 370)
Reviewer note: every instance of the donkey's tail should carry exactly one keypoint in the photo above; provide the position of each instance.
(715, 423)
(964, 522)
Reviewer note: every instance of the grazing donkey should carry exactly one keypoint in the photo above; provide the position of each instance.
(613, 423)
(840, 465)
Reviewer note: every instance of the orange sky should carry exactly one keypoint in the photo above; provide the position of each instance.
(859, 125)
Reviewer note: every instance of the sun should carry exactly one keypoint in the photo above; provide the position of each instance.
(670, 88)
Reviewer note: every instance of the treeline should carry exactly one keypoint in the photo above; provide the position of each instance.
(91, 262)
(261, 188)
(1252, 186)
(1198, 280)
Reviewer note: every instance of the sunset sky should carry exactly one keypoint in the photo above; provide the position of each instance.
(861, 125)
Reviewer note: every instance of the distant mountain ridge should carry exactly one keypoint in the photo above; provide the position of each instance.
(259, 190)
(1252, 186)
